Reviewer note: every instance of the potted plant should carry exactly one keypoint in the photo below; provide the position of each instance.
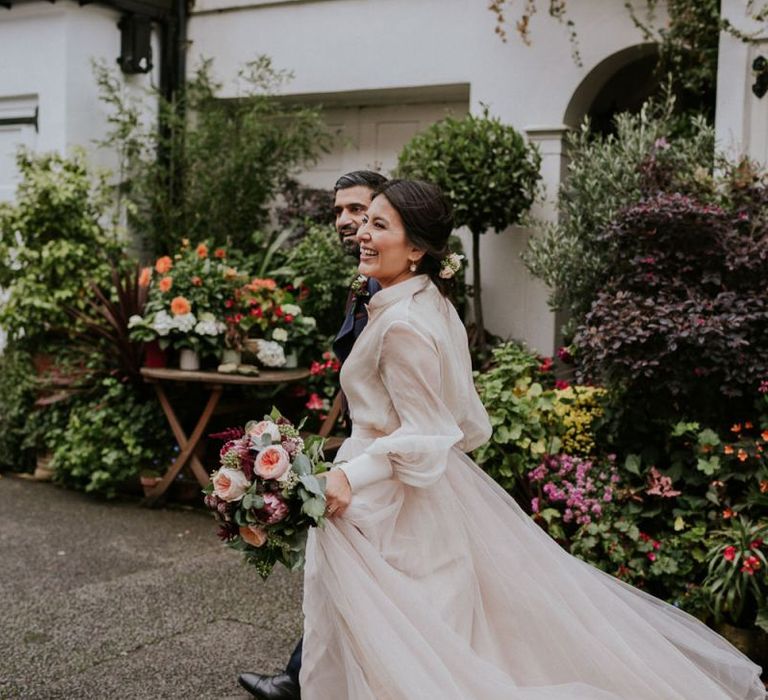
(737, 584)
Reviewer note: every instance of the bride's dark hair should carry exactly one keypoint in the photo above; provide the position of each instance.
(428, 221)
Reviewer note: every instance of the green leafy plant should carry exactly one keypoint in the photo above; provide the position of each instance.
(111, 435)
(17, 397)
(737, 577)
(52, 245)
(605, 175)
(222, 161)
(488, 172)
(318, 266)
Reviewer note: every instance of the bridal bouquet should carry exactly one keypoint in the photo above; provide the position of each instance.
(266, 494)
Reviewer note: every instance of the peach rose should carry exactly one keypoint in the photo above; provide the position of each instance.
(263, 427)
(202, 251)
(220, 253)
(255, 536)
(145, 277)
(272, 462)
(229, 484)
(163, 264)
(165, 284)
(179, 306)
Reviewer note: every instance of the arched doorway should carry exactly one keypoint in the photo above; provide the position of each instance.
(619, 83)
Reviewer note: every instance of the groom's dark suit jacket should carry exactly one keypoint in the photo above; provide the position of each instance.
(355, 318)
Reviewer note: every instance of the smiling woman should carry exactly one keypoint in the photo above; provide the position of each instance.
(405, 232)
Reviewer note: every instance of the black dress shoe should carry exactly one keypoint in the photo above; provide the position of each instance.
(279, 687)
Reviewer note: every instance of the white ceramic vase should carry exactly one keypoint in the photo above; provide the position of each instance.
(189, 360)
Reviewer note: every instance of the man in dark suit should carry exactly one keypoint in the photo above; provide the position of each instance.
(351, 198)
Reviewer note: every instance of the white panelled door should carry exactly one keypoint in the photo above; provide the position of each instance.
(371, 137)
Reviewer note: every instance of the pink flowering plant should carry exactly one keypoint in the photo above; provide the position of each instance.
(572, 491)
(265, 494)
(322, 386)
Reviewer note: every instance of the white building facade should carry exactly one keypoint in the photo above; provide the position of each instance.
(383, 70)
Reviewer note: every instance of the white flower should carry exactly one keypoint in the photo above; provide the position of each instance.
(270, 353)
(309, 322)
(184, 322)
(135, 320)
(208, 325)
(450, 265)
(292, 309)
(163, 323)
(280, 335)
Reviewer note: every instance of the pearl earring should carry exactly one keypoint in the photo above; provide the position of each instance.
(412, 267)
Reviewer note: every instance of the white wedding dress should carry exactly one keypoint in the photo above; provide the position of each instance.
(435, 585)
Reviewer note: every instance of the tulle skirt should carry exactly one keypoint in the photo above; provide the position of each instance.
(452, 592)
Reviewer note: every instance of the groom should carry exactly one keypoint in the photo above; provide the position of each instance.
(351, 198)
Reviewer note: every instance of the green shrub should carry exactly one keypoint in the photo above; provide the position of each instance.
(222, 161)
(52, 243)
(110, 436)
(319, 267)
(487, 171)
(17, 397)
(605, 175)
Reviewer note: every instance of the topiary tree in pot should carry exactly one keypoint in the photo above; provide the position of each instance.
(487, 171)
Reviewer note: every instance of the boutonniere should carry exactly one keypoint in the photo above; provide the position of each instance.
(359, 287)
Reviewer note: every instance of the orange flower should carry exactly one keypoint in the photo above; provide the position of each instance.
(728, 449)
(197, 282)
(764, 486)
(736, 428)
(145, 277)
(165, 284)
(164, 264)
(742, 455)
(220, 253)
(179, 306)
(202, 251)
(748, 425)
(764, 435)
(727, 513)
(265, 283)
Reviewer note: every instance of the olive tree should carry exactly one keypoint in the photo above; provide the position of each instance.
(488, 172)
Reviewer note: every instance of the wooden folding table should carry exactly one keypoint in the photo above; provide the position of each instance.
(214, 382)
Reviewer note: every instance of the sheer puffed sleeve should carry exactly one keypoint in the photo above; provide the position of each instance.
(417, 451)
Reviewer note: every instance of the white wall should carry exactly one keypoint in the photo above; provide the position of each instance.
(344, 47)
(741, 120)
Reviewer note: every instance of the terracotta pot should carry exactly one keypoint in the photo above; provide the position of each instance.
(148, 483)
(154, 355)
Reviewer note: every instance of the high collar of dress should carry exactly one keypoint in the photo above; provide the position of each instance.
(401, 290)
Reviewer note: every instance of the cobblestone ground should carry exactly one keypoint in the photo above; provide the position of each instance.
(114, 600)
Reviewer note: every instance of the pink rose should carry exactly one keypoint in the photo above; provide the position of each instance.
(229, 484)
(274, 509)
(272, 462)
(263, 427)
(253, 535)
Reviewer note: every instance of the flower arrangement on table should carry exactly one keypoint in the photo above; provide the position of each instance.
(269, 315)
(186, 302)
(266, 494)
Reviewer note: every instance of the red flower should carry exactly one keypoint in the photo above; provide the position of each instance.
(656, 544)
(727, 513)
(644, 537)
(561, 384)
(546, 365)
(729, 553)
(756, 544)
(279, 311)
(288, 318)
(651, 556)
(220, 253)
(316, 367)
(315, 403)
(564, 355)
(229, 303)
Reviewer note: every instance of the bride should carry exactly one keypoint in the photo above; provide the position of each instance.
(429, 582)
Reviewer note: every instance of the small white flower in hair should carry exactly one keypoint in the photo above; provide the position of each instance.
(450, 265)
